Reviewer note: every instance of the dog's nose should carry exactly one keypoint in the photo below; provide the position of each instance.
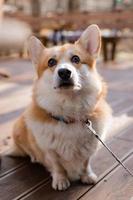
(64, 74)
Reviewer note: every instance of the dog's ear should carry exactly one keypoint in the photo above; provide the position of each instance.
(90, 40)
(35, 48)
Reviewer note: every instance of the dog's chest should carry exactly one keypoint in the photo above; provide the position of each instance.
(68, 140)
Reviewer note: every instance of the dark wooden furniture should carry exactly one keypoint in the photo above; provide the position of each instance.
(22, 180)
(78, 20)
(112, 39)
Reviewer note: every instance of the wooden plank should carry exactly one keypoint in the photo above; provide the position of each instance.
(123, 107)
(15, 101)
(10, 110)
(117, 185)
(102, 164)
(9, 88)
(21, 179)
(5, 117)
(16, 66)
(117, 75)
(114, 95)
(9, 164)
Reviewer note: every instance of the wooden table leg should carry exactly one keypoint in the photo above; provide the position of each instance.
(105, 49)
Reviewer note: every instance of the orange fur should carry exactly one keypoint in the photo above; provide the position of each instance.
(53, 52)
(25, 141)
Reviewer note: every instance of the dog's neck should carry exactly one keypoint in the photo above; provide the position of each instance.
(67, 119)
(62, 119)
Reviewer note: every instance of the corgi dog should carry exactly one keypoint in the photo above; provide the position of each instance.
(67, 92)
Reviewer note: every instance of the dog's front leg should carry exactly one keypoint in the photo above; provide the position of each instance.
(60, 180)
(88, 176)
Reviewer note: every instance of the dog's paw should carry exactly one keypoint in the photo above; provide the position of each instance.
(89, 179)
(60, 183)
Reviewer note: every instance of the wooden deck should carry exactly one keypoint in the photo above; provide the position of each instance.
(20, 179)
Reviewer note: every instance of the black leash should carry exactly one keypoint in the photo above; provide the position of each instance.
(89, 126)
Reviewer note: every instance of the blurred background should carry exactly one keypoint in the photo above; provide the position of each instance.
(59, 21)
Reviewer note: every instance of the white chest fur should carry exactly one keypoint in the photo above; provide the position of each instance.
(68, 140)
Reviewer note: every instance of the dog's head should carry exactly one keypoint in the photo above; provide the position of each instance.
(67, 70)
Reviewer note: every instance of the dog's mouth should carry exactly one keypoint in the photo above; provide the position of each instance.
(69, 85)
(66, 85)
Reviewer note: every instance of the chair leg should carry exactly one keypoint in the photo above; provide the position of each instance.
(105, 50)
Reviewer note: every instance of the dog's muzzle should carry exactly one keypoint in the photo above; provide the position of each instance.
(65, 76)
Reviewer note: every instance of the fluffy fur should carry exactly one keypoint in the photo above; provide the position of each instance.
(64, 149)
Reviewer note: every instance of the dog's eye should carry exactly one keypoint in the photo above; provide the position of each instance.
(52, 62)
(75, 59)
